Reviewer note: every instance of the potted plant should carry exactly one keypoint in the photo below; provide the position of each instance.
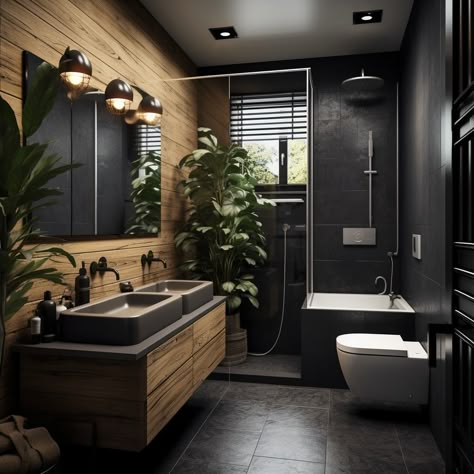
(222, 229)
(25, 172)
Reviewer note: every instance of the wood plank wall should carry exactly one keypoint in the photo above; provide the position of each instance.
(214, 107)
(122, 40)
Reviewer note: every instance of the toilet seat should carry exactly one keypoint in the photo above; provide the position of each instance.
(373, 344)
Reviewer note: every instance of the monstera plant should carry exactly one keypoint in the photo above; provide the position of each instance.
(223, 230)
(146, 194)
(25, 172)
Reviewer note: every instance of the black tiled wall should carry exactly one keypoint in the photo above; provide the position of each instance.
(425, 171)
(341, 189)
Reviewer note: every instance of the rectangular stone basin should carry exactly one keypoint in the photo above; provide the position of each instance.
(121, 320)
(193, 292)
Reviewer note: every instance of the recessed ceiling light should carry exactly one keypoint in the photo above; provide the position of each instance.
(225, 32)
(371, 16)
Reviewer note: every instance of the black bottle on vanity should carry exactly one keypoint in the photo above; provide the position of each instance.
(82, 286)
(47, 313)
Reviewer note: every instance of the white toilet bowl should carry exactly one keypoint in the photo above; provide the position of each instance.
(384, 367)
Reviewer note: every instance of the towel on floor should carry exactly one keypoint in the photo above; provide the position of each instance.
(25, 450)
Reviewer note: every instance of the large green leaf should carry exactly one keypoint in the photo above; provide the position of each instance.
(40, 98)
(9, 141)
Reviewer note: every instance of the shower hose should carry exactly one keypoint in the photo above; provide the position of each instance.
(286, 228)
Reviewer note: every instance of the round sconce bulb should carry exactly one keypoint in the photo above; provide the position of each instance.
(75, 70)
(118, 97)
(150, 111)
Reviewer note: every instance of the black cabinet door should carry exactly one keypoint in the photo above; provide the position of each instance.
(463, 232)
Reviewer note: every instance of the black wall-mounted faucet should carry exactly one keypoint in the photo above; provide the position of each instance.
(150, 257)
(102, 267)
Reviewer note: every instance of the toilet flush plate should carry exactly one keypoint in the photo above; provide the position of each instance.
(359, 236)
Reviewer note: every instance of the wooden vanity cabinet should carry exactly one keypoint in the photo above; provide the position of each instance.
(121, 404)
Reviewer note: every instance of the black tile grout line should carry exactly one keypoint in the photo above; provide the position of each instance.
(259, 438)
(200, 428)
(286, 459)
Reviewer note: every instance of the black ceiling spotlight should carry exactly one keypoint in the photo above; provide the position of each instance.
(224, 32)
(368, 16)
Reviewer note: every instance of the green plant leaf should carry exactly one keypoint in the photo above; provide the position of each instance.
(233, 303)
(40, 98)
(226, 247)
(9, 140)
(228, 286)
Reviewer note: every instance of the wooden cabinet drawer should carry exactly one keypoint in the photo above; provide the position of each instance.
(168, 357)
(208, 327)
(168, 398)
(208, 358)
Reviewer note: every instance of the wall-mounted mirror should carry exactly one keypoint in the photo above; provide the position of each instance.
(116, 190)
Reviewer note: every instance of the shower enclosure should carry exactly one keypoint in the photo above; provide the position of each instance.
(270, 114)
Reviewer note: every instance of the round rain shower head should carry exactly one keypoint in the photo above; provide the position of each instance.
(362, 83)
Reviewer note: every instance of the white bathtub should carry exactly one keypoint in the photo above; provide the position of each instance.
(356, 302)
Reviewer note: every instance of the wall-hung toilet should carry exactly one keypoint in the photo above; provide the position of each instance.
(384, 367)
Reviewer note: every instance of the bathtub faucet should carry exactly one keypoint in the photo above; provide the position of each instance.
(393, 296)
(384, 282)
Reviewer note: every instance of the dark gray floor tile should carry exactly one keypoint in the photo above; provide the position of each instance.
(355, 450)
(366, 467)
(419, 449)
(303, 397)
(300, 444)
(222, 446)
(299, 417)
(262, 465)
(251, 391)
(239, 415)
(210, 390)
(194, 467)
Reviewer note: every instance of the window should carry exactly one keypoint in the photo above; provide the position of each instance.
(145, 139)
(273, 128)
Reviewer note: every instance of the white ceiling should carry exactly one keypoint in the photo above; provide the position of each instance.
(272, 30)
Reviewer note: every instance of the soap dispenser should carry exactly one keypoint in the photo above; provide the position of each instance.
(47, 313)
(82, 286)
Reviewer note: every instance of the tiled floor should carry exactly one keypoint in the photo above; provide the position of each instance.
(272, 365)
(259, 428)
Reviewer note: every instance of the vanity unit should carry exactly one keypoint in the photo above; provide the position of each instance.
(120, 397)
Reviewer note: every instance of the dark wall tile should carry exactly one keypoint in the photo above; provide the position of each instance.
(342, 124)
(423, 185)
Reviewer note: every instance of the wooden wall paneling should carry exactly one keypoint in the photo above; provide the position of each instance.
(122, 40)
(214, 107)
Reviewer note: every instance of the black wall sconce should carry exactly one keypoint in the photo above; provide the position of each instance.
(75, 70)
(149, 110)
(118, 97)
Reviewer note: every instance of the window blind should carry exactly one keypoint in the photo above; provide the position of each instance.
(146, 139)
(258, 117)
